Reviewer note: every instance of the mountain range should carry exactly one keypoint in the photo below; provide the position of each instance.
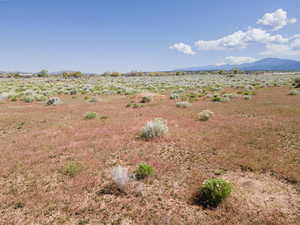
(267, 64)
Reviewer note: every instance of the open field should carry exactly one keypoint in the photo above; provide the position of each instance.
(252, 141)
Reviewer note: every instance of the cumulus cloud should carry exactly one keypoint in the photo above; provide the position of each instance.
(184, 48)
(236, 60)
(296, 44)
(292, 49)
(243, 38)
(276, 20)
(240, 39)
(295, 36)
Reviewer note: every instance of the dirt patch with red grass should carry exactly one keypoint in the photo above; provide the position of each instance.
(255, 143)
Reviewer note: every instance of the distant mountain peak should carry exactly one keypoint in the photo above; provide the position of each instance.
(267, 64)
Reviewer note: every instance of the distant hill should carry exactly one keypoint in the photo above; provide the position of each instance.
(268, 64)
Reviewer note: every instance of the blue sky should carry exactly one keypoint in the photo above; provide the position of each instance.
(99, 36)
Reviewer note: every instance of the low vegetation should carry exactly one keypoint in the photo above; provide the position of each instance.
(57, 168)
(120, 177)
(90, 115)
(144, 171)
(205, 115)
(155, 128)
(54, 101)
(213, 192)
(183, 104)
(71, 169)
(293, 92)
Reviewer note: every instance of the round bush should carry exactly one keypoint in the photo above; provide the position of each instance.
(213, 192)
(143, 171)
(297, 82)
(247, 97)
(156, 128)
(174, 96)
(90, 115)
(205, 115)
(146, 99)
(293, 92)
(54, 101)
(28, 99)
(183, 104)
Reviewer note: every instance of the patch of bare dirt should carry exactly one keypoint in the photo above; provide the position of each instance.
(262, 193)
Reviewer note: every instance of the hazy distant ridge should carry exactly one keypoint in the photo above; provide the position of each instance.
(268, 64)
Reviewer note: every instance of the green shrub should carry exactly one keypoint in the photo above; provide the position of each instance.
(19, 205)
(216, 98)
(247, 97)
(218, 172)
(192, 97)
(116, 74)
(40, 98)
(13, 98)
(43, 73)
(297, 82)
(213, 192)
(143, 171)
(134, 105)
(72, 74)
(90, 115)
(93, 99)
(28, 99)
(73, 92)
(71, 169)
(146, 99)
(174, 96)
(83, 221)
(54, 101)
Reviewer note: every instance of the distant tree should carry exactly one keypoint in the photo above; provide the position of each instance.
(43, 73)
(15, 75)
(72, 74)
(221, 72)
(236, 71)
(115, 74)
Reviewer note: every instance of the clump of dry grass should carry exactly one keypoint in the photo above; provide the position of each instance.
(183, 160)
(293, 92)
(71, 169)
(297, 82)
(54, 101)
(205, 115)
(183, 104)
(247, 97)
(146, 99)
(120, 177)
(155, 128)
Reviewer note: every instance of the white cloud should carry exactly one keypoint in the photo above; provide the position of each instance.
(282, 49)
(240, 39)
(296, 44)
(276, 20)
(220, 64)
(295, 36)
(274, 43)
(236, 60)
(184, 48)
